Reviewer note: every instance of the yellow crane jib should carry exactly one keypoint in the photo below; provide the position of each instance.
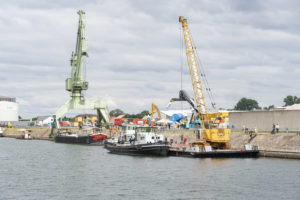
(194, 71)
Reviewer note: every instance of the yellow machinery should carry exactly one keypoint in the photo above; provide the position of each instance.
(9, 125)
(213, 131)
(155, 108)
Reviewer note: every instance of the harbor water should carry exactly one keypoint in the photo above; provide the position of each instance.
(36, 169)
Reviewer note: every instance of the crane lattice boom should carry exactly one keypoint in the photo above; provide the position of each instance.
(194, 69)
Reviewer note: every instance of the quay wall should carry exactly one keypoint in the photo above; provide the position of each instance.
(36, 133)
(289, 142)
(263, 120)
(268, 142)
(178, 135)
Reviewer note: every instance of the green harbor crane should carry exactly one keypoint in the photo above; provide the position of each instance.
(76, 84)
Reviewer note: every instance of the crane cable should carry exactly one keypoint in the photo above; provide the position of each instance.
(203, 75)
(181, 59)
(181, 56)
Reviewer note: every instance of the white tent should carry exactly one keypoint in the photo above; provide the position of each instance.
(169, 113)
(164, 121)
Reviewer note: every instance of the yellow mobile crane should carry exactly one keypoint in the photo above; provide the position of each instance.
(211, 131)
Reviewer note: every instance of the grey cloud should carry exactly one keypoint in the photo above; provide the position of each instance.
(248, 48)
(48, 4)
(248, 6)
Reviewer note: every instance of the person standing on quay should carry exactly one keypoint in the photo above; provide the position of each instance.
(273, 130)
(277, 128)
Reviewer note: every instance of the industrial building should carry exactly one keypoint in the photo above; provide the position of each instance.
(9, 109)
(84, 118)
(44, 120)
(288, 119)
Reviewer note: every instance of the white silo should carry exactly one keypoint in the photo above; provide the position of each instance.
(9, 109)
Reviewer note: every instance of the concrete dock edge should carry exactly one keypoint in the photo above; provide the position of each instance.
(279, 154)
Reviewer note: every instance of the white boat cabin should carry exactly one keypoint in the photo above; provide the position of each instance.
(144, 135)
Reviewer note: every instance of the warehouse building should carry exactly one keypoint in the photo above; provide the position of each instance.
(288, 119)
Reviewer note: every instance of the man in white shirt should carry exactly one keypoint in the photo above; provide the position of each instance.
(277, 128)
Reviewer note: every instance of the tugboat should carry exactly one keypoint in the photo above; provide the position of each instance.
(143, 141)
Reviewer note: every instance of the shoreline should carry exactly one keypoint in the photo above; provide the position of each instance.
(33, 138)
(273, 146)
(279, 154)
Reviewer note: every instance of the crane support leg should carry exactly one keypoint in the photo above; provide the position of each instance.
(83, 104)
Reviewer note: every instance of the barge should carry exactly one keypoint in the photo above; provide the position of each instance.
(248, 151)
(80, 138)
(217, 154)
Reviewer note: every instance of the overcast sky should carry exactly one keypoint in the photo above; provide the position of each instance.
(248, 49)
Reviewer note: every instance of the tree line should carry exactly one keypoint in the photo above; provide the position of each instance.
(117, 112)
(251, 104)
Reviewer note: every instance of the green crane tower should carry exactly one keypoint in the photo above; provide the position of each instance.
(76, 83)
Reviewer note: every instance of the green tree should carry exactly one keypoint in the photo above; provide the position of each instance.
(138, 115)
(116, 112)
(31, 124)
(130, 116)
(142, 114)
(291, 100)
(269, 108)
(246, 104)
(67, 119)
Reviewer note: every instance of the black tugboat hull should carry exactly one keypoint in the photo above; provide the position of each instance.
(145, 149)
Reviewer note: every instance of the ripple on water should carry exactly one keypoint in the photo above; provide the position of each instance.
(46, 170)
